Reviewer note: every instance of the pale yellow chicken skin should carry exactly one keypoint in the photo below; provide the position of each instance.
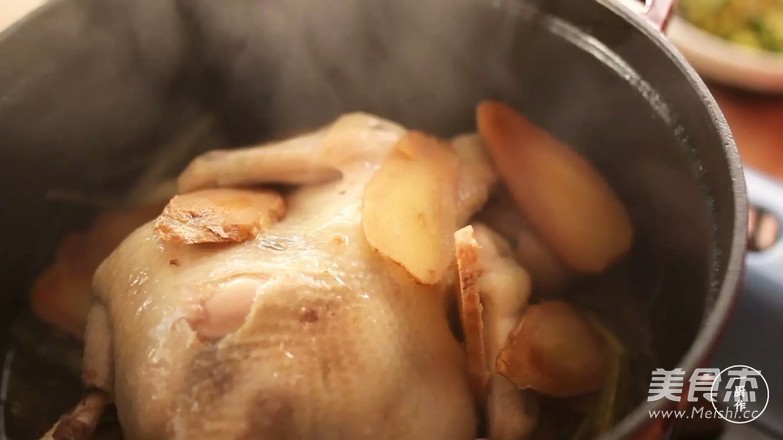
(322, 336)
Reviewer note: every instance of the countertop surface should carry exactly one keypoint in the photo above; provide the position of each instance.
(757, 124)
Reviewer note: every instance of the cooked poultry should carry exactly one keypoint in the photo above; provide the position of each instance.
(303, 331)
(300, 160)
(243, 312)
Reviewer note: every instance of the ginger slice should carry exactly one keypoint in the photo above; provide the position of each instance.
(410, 206)
(494, 292)
(61, 295)
(555, 350)
(567, 201)
(470, 308)
(219, 216)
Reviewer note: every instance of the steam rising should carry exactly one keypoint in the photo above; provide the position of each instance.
(300, 62)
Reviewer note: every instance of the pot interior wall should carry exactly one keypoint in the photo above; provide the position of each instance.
(90, 91)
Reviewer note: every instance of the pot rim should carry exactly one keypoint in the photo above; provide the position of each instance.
(712, 327)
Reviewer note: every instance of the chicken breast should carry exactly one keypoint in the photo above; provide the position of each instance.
(301, 332)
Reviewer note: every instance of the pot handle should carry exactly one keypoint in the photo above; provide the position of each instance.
(765, 247)
(657, 12)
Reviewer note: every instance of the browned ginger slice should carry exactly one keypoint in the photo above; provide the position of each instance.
(471, 310)
(493, 292)
(61, 294)
(411, 206)
(219, 216)
(567, 201)
(556, 351)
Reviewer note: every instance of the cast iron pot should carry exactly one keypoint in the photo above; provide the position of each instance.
(91, 92)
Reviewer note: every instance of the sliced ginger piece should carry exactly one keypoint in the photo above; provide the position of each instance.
(556, 351)
(410, 206)
(62, 294)
(567, 202)
(502, 289)
(218, 216)
(471, 310)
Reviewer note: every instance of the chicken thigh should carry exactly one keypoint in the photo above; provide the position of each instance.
(301, 331)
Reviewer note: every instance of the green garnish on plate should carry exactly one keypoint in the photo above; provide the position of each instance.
(752, 23)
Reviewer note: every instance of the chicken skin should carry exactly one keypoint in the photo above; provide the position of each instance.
(298, 330)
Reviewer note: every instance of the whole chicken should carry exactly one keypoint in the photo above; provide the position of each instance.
(240, 313)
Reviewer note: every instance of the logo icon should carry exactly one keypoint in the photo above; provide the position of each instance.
(741, 394)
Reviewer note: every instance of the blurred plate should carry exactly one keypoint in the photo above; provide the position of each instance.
(13, 10)
(725, 62)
